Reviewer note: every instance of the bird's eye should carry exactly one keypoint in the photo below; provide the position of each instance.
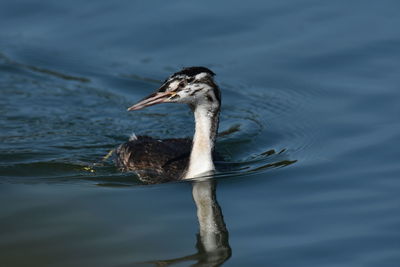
(163, 88)
(181, 84)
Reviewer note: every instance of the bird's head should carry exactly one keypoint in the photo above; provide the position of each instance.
(193, 86)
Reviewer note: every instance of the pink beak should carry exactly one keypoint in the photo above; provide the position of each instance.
(153, 99)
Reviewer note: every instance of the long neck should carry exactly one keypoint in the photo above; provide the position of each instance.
(201, 161)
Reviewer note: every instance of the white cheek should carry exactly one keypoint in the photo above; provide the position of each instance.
(186, 92)
(184, 96)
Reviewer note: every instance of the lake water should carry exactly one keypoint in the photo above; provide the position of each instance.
(311, 90)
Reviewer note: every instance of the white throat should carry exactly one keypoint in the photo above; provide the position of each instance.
(201, 161)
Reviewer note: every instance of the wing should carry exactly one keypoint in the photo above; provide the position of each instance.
(154, 160)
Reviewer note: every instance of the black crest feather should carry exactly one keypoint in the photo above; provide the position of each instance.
(192, 71)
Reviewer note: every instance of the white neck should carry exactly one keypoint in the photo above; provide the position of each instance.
(201, 161)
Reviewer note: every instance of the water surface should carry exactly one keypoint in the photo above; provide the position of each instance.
(309, 88)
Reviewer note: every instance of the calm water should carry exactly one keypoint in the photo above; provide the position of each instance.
(310, 88)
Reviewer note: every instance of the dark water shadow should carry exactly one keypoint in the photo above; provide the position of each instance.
(41, 70)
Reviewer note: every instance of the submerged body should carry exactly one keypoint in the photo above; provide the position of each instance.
(158, 161)
(154, 160)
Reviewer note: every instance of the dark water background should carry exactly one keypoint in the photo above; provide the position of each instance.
(312, 86)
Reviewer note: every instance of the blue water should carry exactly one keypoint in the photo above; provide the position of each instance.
(311, 89)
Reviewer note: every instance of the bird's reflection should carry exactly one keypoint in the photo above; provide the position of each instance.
(213, 242)
(213, 238)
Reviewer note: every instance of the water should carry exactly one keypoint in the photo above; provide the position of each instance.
(311, 87)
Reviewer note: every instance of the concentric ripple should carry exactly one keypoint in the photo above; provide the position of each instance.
(58, 127)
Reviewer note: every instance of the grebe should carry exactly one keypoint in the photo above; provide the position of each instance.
(157, 161)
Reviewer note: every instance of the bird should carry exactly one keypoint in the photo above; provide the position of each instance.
(162, 160)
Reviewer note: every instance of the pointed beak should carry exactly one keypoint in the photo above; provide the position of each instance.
(153, 99)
